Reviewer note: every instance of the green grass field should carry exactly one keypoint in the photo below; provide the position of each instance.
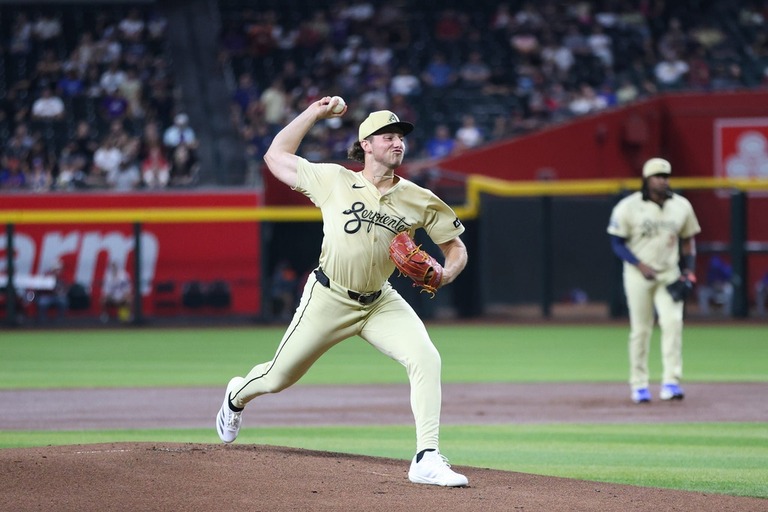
(727, 458)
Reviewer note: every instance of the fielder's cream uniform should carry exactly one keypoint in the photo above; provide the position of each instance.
(349, 293)
(653, 234)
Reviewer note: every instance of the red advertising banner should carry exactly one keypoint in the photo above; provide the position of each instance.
(741, 148)
(173, 255)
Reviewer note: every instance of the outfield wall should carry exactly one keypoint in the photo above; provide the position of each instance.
(175, 252)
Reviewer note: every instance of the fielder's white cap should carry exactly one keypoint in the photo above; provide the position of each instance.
(376, 121)
(656, 166)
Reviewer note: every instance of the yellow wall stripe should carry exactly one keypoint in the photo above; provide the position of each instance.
(476, 186)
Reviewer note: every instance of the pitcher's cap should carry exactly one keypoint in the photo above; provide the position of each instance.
(376, 121)
(656, 166)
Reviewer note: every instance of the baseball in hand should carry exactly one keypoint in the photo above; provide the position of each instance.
(339, 106)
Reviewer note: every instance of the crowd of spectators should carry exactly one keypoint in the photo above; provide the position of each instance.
(471, 73)
(93, 106)
(87, 101)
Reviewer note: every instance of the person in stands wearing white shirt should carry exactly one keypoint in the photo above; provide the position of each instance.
(48, 106)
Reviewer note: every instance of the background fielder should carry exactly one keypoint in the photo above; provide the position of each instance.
(348, 294)
(648, 230)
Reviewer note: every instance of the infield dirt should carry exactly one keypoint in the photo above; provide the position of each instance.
(214, 477)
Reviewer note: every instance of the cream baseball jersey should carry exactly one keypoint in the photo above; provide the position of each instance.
(652, 232)
(359, 222)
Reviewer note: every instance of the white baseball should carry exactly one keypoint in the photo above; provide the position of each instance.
(339, 106)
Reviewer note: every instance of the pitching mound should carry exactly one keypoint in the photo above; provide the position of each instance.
(198, 477)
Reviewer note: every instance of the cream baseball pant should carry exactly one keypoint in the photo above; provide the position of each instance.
(327, 316)
(645, 297)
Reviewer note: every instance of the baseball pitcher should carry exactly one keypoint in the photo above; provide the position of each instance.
(348, 294)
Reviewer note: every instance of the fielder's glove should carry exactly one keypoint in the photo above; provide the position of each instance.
(415, 263)
(682, 288)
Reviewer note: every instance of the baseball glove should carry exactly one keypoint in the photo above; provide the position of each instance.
(682, 288)
(412, 261)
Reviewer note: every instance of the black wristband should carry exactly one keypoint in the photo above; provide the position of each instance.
(689, 262)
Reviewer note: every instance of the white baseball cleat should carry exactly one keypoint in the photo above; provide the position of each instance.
(228, 421)
(433, 469)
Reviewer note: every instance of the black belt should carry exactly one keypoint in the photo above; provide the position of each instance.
(363, 299)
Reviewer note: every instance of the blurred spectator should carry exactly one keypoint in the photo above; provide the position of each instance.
(21, 35)
(232, 40)
(72, 169)
(180, 133)
(184, 167)
(92, 82)
(627, 92)
(274, 100)
(474, 72)
(132, 90)
(151, 137)
(83, 55)
(717, 289)
(70, 84)
(524, 42)
(557, 59)
(469, 134)
(601, 45)
(21, 142)
(155, 168)
(258, 30)
(307, 92)
(46, 27)
(48, 106)
(116, 294)
(112, 78)
(12, 175)
(381, 55)
(441, 144)
(670, 72)
(113, 106)
(438, 73)
(257, 138)
(40, 175)
(56, 297)
(106, 161)
(502, 18)
(245, 93)
(47, 70)
(131, 28)
(607, 95)
(13, 109)
(127, 177)
(156, 28)
(586, 101)
(85, 144)
(39, 156)
(374, 96)
(292, 78)
(109, 50)
(161, 102)
(727, 76)
(450, 26)
(575, 41)
(699, 74)
(556, 102)
(405, 82)
(673, 41)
